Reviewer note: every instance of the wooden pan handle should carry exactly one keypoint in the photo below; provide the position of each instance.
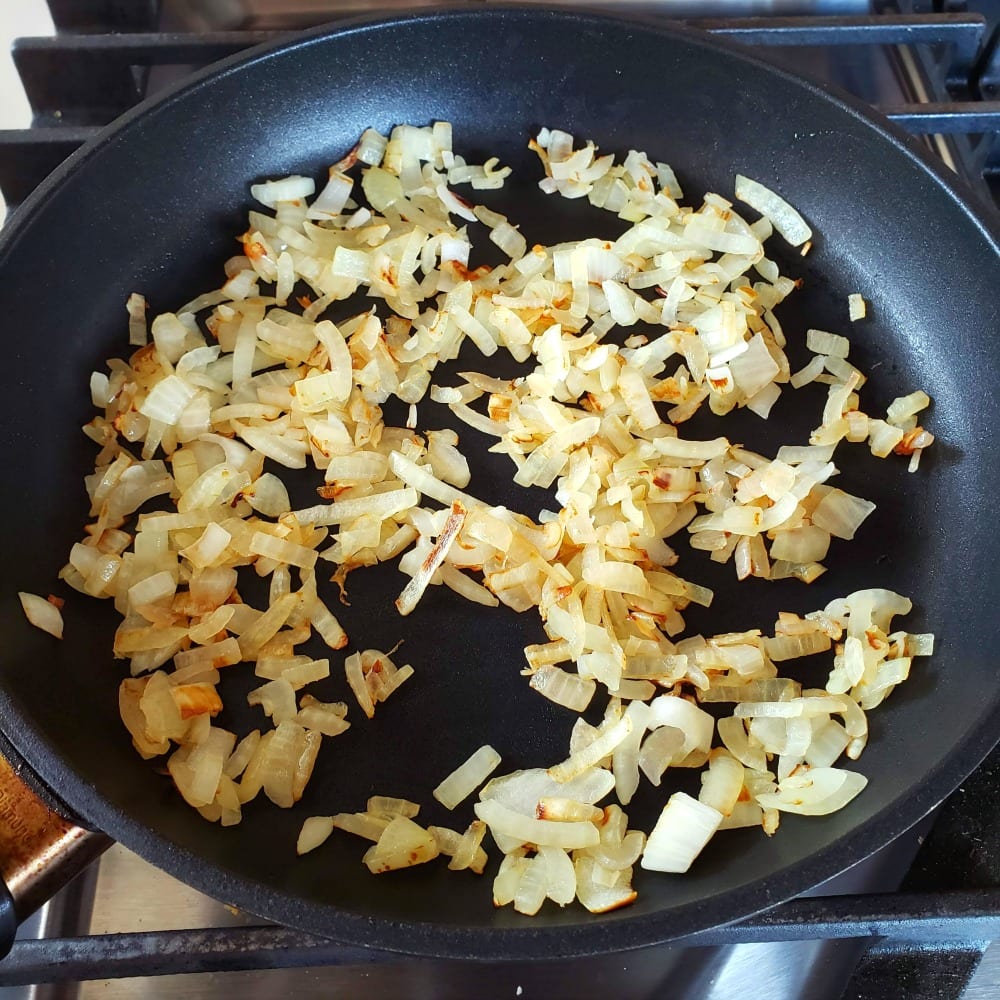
(40, 851)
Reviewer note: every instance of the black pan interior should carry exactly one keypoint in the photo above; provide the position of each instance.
(154, 207)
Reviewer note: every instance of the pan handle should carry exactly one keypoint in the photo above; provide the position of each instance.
(40, 851)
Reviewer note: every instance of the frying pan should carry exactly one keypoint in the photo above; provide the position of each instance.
(154, 204)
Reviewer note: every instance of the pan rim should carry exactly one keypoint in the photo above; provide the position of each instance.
(482, 942)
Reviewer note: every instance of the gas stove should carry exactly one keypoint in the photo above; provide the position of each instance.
(914, 921)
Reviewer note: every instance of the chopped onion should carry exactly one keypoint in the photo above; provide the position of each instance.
(907, 406)
(390, 806)
(356, 680)
(564, 810)
(576, 764)
(595, 897)
(315, 831)
(467, 777)
(282, 551)
(681, 832)
(277, 698)
(330, 202)
(696, 725)
(829, 741)
(402, 844)
(831, 344)
(662, 747)
(413, 591)
(523, 790)
(539, 832)
(789, 647)
(566, 689)
(288, 189)
(784, 218)
(532, 887)
(559, 874)
(361, 824)
(818, 791)
(42, 614)
(168, 400)
(722, 783)
(841, 514)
